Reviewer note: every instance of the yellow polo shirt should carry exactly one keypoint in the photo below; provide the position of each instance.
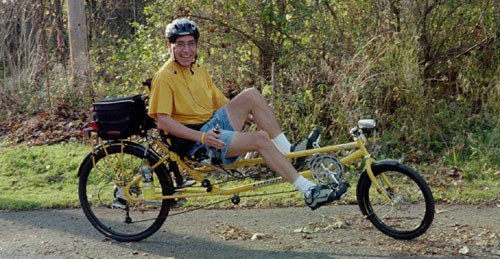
(189, 98)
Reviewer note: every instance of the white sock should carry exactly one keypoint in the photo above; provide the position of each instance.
(302, 184)
(282, 143)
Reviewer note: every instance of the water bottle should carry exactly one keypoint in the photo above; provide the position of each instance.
(148, 187)
(217, 159)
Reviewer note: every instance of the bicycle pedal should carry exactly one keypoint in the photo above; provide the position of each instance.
(342, 195)
(186, 184)
(342, 191)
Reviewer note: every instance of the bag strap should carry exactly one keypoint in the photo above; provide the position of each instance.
(147, 85)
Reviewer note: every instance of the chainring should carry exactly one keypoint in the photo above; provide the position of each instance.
(327, 170)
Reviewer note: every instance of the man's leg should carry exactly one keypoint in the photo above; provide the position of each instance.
(260, 141)
(250, 101)
(243, 142)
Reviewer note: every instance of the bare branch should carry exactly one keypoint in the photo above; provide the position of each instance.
(337, 23)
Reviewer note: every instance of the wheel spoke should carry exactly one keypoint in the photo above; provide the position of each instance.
(103, 200)
(412, 208)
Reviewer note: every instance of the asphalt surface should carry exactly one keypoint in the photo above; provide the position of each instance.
(457, 231)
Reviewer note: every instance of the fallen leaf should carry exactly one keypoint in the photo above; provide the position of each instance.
(340, 224)
(257, 236)
(456, 172)
(438, 211)
(464, 250)
(307, 229)
(495, 251)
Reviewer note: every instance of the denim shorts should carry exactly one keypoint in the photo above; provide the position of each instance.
(227, 134)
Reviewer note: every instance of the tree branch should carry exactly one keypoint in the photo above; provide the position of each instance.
(337, 23)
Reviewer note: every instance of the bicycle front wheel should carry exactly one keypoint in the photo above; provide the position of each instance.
(411, 210)
(102, 179)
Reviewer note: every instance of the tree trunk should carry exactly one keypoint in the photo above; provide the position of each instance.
(43, 46)
(79, 50)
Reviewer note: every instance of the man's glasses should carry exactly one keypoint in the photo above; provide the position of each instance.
(182, 44)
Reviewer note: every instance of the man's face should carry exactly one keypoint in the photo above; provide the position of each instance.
(184, 49)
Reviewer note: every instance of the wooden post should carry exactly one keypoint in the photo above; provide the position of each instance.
(79, 48)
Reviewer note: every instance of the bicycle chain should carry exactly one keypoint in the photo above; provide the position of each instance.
(214, 203)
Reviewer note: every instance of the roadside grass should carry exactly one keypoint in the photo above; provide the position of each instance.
(468, 192)
(469, 171)
(39, 176)
(46, 177)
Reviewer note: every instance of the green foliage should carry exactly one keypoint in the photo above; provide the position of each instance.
(428, 73)
(130, 63)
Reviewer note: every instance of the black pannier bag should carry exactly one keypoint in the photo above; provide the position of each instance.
(120, 118)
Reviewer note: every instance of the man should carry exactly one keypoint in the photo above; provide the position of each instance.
(187, 105)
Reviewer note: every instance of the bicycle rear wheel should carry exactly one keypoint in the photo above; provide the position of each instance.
(101, 193)
(412, 209)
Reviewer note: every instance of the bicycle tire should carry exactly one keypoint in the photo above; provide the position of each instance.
(98, 193)
(412, 211)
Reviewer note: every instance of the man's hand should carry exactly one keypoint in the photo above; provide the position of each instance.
(211, 139)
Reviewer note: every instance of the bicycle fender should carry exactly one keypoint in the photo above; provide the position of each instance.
(364, 175)
(386, 162)
(392, 162)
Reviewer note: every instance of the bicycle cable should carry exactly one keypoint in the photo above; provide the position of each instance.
(181, 212)
(265, 194)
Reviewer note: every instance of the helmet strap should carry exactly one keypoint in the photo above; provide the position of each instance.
(194, 61)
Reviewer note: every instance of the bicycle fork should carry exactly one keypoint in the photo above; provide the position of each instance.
(371, 175)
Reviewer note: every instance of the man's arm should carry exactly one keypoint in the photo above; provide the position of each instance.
(165, 122)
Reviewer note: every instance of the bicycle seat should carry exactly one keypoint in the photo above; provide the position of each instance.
(367, 124)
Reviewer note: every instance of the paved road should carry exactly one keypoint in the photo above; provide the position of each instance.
(457, 231)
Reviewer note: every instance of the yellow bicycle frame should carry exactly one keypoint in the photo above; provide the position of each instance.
(358, 145)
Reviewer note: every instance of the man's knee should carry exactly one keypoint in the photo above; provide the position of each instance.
(252, 94)
(262, 140)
